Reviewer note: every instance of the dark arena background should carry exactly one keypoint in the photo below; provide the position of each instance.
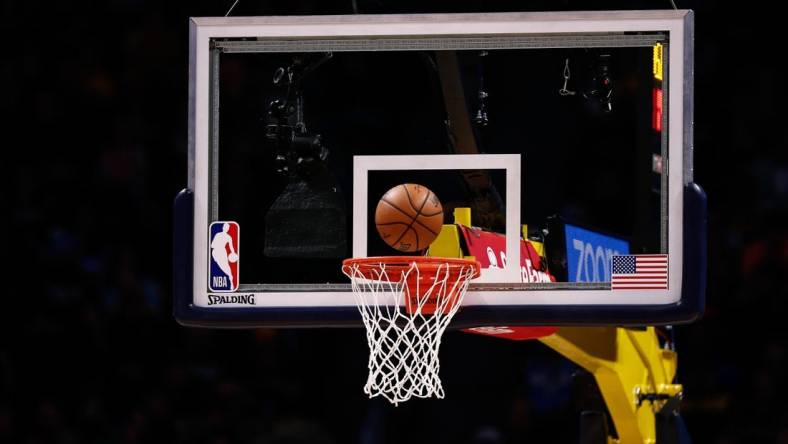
(94, 110)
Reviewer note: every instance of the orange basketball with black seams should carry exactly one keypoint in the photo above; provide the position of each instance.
(409, 217)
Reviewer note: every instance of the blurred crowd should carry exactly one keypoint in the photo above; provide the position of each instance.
(95, 107)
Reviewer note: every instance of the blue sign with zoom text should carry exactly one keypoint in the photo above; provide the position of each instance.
(589, 254)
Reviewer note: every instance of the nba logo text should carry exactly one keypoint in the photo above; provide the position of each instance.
(223, 256)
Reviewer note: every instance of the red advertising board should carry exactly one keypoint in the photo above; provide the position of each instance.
(490, 250)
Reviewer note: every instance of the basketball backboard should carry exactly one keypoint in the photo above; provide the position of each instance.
(560, 146)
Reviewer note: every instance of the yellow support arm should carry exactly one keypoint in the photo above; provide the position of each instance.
(447, 244)
(634, 374)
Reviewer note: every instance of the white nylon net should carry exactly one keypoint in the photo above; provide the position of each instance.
(405, 312)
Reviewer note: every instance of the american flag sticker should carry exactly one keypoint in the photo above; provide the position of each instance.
(639, 272)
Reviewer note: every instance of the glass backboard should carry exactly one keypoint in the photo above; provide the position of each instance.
(559, 145)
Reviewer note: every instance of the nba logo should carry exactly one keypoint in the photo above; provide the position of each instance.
(223, 245)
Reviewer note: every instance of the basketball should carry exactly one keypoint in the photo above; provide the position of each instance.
(233, 258)
(409, 217)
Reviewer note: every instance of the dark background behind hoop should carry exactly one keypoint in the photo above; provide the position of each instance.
(95, 122)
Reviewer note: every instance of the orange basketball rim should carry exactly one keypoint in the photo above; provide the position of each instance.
(429, 284)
